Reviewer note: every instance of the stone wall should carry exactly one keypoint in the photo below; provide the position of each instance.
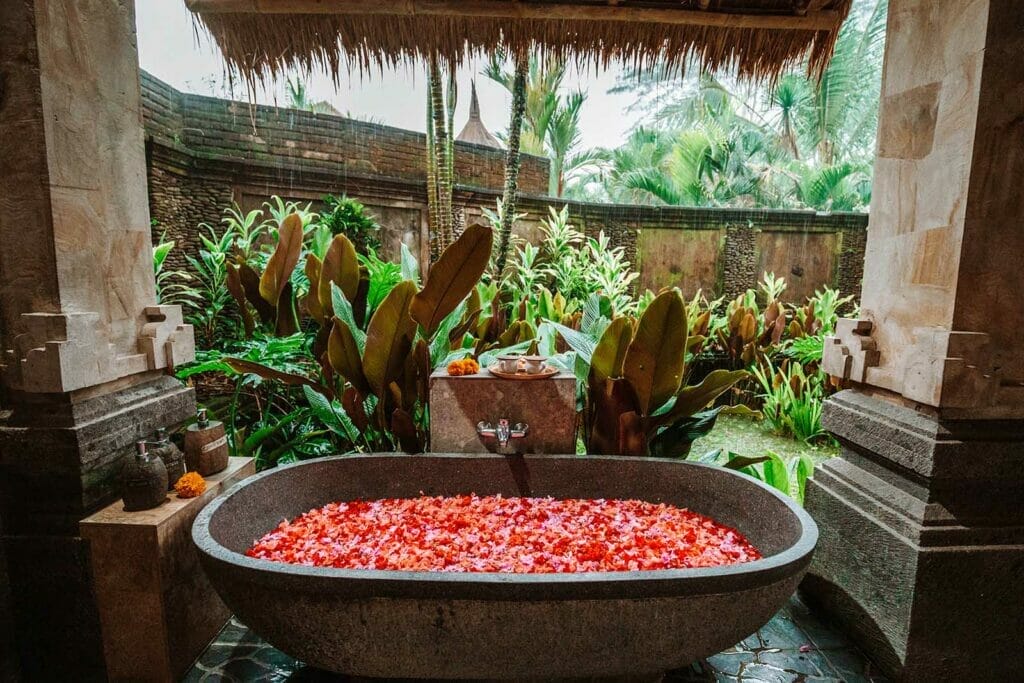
(205, 153)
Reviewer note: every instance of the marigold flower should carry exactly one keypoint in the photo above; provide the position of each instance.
(190, 485)
(466, 366)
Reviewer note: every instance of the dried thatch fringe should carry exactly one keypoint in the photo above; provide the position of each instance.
(264, 45)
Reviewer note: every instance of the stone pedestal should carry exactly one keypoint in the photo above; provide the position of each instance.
(457, 404)
(921, 553)
(922, 559)
(60, 460)
(157, 610)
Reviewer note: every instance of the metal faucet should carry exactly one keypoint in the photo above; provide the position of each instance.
(504, 433)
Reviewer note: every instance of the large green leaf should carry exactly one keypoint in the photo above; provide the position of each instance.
(776, 474)
(284, 259)
(452, 277)
(313, 269)
(656, 357)
(389, 338)
(692, 399)
(332, 414)
(344, 354)
(675, 440)
(340, 267)
(610, 352)
(800, 470)
(410, 266)
(580, 343)
(344, 312)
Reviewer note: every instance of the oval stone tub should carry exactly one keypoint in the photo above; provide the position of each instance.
(433, 625)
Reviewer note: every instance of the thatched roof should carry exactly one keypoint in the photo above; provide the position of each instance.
(760, 38)
(475, 131)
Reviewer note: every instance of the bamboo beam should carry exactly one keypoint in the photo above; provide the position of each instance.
(823, 20)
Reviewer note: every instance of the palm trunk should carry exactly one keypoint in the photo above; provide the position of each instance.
(443, 226)
(512, 160)
(431, 180)
(453, 99)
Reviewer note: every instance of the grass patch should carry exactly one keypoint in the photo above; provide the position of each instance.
(746, 437)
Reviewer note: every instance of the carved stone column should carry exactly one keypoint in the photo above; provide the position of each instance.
(922, 551)
(85, 348)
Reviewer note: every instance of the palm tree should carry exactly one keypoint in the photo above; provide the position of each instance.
(512, 160)
(803, 142)
(440, 155)
(551, 120)
(298, 98)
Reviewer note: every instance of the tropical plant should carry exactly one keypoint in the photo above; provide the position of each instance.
(636, 400)
(210, 295)
(297, 97)
(789, 478)
(346, 216)
(801, 141)
(551, 120)
(792, 400)
(512, 163)
(171, 285)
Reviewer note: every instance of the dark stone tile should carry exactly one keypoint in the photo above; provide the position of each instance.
(730, 662)
(783, 633)
(762, 673)
(810, 663)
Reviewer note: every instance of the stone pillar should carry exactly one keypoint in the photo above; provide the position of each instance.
(86, 350)
(922, 527)
(739, 260)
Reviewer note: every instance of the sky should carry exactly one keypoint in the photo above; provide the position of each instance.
(170, 49)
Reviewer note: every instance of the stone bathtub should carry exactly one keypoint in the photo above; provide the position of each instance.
(392, 624)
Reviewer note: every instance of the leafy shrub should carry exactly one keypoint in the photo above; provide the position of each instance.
(346, 216)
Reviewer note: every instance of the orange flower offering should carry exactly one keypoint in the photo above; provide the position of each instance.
(190, 485)
(497, 534)
(466, 366)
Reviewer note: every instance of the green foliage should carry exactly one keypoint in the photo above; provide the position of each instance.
(551, 119)
(172, 286)
(346, 216)
(792, 400)
(553, 280)
(636, 402)
(789, 478)
(713, 140)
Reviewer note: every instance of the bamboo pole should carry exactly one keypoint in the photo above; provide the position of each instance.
(820, 20)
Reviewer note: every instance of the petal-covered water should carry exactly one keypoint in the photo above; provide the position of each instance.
(498, 534)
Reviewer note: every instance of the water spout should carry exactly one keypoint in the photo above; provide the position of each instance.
(503, 440)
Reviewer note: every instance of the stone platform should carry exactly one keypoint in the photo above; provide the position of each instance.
(794, 647)
(156, 607)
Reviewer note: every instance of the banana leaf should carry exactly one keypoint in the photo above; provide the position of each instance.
(610, 352)
(340, 268)
(656, 357)
(284, 259)
(389, 338)
(452, 277)
(345, 357)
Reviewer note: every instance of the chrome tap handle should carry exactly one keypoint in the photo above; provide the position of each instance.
(520, 430)
(486, 430)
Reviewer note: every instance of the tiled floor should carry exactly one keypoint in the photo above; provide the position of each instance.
(794, 647)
